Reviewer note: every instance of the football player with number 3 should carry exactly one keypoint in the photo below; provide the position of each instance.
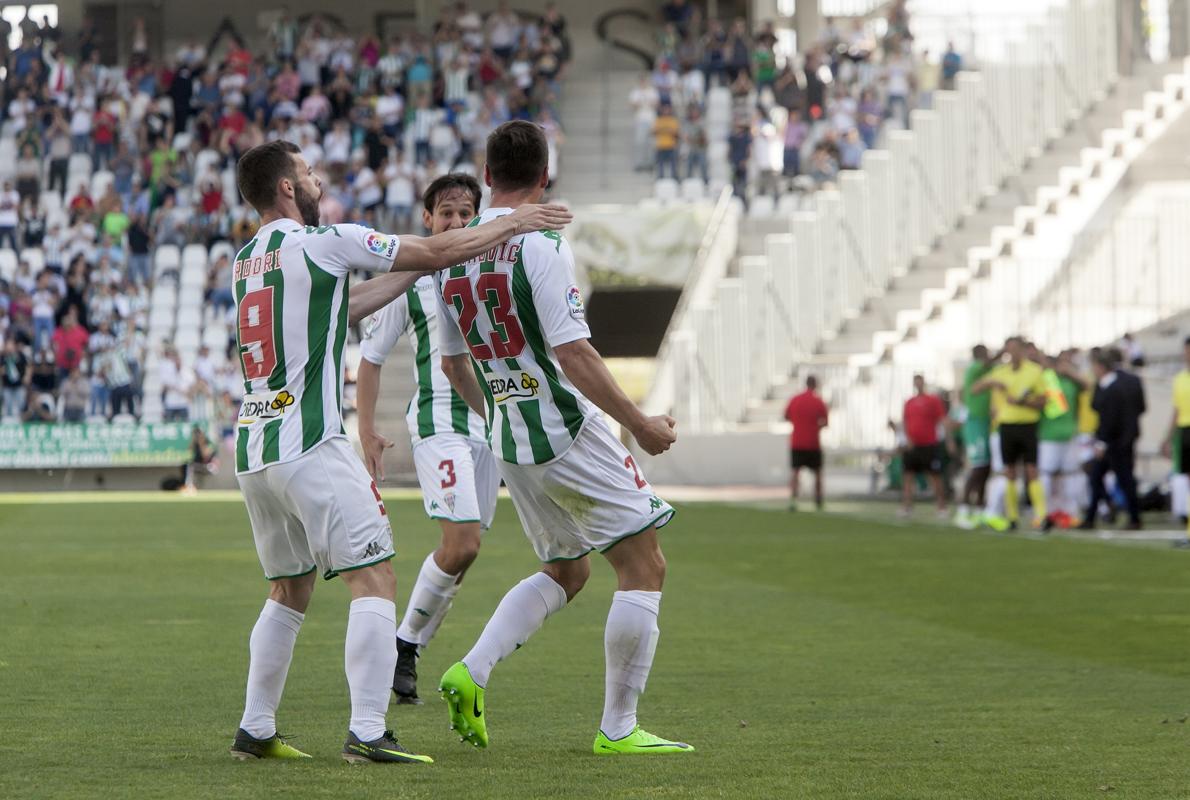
(517, 312)
(311, 503)
(455, 466)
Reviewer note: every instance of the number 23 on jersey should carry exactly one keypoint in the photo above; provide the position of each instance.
(506, 339)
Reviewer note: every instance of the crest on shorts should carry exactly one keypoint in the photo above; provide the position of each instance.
(449, 499)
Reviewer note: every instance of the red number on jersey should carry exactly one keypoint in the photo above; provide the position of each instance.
(507, 340)
(492, 287)
(449, 467)
(379, 502)
(258, 354)
(461, 288)
(640, 482)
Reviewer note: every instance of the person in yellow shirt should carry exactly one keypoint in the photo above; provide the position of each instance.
(1018, 394)
(1177, 441)
(666, 131)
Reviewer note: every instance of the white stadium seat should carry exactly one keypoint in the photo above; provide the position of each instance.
(194, 254)
(665, 189)
(762, 206)
(79, 163)
(693, 190)
(189, 318)
(8, 263)
(35, 257)
(167, 257)
(221, 248)
(100, 181)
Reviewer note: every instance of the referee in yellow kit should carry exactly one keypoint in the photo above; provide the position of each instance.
(1179, 425)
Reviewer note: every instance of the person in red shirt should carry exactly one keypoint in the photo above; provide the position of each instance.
(923, 453)
(70, 342)
(809, 415)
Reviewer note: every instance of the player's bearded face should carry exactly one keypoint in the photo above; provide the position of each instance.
(307, 203)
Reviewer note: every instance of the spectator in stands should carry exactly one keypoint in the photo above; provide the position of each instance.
(1134, 354)
(666, 133)
(14, 377)
(739, 151)
(952, 64)
(27, 173)
(59, 153)
(927, 78)
(118, 376)
(42, 401)
(170, 223)
(10, 215)
(922, 417)
(644, 101)
(824, 168)
(177, 384)
(738, 50)
(70, 342)
(44, 302)
(694, 136)
(75, 392)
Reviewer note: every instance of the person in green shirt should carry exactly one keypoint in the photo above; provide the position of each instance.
(976, 428)
(1057, 456)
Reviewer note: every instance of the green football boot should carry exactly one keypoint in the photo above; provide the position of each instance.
(639, 742)
(998, 524)
(247, 748)
(464, 698)
(385, 750)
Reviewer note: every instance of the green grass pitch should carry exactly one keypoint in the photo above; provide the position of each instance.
(805, 656)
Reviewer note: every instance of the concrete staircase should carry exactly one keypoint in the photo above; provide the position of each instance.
(856, 335)
(595, 162)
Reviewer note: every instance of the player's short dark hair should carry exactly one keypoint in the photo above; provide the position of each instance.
(517, 155)
(811, 382)
(979, 351)
(1105, 358)
(261, 167)
(452, 182)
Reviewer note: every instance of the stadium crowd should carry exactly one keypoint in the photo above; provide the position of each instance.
(111, 162)
(795, 120)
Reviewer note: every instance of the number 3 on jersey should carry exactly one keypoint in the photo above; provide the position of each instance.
(506, 339)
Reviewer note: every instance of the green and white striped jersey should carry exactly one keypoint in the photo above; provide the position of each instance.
(435, 407)
(510, 308)
(290, 285)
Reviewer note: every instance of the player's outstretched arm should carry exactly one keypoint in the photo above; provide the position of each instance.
(454, 247)
(585, 368)
(368, 297)
(458, 371)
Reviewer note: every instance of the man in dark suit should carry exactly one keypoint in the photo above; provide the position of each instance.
(1119, 400)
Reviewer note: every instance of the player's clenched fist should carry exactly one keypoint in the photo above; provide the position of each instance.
(547, 217)
(656, 434)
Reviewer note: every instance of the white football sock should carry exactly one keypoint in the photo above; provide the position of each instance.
(997, 486)
(629, 642)
(370, 656)
(1179, 490)
(428, 603)
(522, 611)
(270, 649)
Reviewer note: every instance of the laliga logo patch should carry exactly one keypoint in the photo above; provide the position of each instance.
(282, 401)
(574, 302)
(380, 244)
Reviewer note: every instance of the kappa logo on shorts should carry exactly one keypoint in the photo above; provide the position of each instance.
(373, 549)
(654, 503)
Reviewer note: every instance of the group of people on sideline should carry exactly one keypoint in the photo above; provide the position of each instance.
(1054, 433)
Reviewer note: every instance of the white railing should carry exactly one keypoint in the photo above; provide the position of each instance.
(687, 368)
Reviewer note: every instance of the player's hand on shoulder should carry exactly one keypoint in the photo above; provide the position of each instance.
(374, 447)
(656, 434)
(543, 217)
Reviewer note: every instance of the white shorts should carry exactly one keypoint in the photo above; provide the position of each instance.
(459, 478)
(320, 510)
(994, 450)
(1058, 457)
(589, 499)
